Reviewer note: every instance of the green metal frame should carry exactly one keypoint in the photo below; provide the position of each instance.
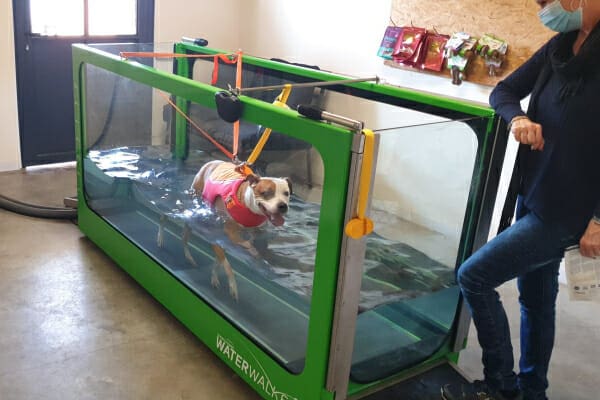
(334, 144)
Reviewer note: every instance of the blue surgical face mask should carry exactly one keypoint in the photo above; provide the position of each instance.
(555, 17)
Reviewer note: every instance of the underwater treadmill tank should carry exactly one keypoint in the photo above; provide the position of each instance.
(318, 315)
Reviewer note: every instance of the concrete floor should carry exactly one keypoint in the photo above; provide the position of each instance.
(75, 326)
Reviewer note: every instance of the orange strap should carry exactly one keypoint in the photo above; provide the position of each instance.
(227, 60)
(203, 132)
(238, 72)
(238, 84)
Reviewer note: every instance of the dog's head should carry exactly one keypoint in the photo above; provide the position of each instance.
(271, 197)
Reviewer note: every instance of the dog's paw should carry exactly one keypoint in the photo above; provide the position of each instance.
(233, 290)
(160, 240)
(189, 257)
(214, 280)
(253, 252)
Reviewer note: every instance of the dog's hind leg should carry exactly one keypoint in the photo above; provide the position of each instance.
(222, 260)
(214, 275)
(160, 236)
(185, 238)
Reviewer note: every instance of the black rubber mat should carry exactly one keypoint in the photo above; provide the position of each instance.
(426, 386)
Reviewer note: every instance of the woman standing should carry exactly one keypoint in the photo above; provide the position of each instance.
(558, 203)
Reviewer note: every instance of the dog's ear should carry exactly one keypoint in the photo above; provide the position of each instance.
(289, 182)
(252, 179)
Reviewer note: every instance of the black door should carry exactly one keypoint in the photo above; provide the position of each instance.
(44, 33)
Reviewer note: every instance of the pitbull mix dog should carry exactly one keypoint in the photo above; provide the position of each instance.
(244, 201)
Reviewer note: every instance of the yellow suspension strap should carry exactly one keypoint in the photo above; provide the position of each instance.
(360, 225)
(280, 101)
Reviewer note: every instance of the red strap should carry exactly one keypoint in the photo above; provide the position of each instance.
(225, 58)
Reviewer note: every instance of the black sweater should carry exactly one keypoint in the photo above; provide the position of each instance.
(561, 183)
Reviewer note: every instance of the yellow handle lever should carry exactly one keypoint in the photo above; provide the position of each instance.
(360, 225)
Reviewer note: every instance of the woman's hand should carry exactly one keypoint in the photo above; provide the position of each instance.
(589, 244)
(527, 132)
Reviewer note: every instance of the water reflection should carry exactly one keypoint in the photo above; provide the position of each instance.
(393, 271)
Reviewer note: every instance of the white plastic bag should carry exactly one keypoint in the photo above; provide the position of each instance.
(583, 276)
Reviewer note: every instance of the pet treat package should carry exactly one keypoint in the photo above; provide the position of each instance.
(389, 41)
(493, 50)
(409, 46)
(491, 46)
(459, 49)
(433, 57)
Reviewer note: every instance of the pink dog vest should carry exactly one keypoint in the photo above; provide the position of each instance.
(227, 190)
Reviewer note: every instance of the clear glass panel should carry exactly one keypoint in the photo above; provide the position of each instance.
(58, 17)
(409, 295)
(112, 17)
(133, 180)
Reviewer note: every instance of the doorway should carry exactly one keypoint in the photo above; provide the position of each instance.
(44, 33)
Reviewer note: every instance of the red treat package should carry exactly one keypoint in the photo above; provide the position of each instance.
(433, 49)
(408, 47)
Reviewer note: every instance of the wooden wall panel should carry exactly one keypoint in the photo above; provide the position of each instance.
(515, 21)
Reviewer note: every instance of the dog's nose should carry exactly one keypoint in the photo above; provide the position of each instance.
(282, 208)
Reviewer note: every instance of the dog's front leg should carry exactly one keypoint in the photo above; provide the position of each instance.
(185, 238)
(232, 229)
(222, 260)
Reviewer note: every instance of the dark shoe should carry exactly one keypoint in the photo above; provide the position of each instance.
(478, 390)
(528, 395)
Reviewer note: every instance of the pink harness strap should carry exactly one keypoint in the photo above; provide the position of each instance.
(227, 190)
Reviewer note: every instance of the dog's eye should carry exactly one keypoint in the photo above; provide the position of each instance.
(286, 193)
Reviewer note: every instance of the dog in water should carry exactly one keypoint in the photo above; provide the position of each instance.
(244, 201)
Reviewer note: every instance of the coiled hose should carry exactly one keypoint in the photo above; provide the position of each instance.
(36, 211)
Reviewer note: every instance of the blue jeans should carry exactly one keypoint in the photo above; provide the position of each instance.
(531, 251)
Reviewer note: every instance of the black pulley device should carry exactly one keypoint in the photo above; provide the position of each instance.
(229, 106)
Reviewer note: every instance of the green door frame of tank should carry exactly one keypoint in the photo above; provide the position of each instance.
(340, 150)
